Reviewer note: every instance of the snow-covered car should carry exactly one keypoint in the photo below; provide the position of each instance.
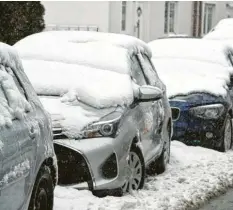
(222, 31)
(111, 115)
(28, 172)
(197, 75)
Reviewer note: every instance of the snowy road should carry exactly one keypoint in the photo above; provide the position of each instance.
(194, 175)
(224, 202)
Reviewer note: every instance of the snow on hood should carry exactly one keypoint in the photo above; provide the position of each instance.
(184, 76)
(72, 117)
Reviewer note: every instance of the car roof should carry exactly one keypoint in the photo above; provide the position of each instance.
(191, 48)
(130, 43)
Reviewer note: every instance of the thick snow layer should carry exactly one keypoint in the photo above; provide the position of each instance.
(194, 175)
(195, 49)
(224, 34)
(101, 56)
(132, 44)
(96, 87)
(205, 68)
(71, 117)
(196, 76)
(14, 105)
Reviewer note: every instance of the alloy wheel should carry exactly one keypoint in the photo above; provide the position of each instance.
(134, 173)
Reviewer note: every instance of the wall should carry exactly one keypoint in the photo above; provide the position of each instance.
(77, 13)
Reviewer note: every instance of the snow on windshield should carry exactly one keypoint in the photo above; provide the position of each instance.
(96, 87)
(201, 66)
(101, 56)
(185, 76)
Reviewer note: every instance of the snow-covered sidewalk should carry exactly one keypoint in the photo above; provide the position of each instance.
(194, 175)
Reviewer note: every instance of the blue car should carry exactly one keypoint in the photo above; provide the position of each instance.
(199, 88)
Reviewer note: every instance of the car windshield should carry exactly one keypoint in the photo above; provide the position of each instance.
(196, 76)
(96, 87)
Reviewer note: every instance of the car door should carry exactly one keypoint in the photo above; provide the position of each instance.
(157, 106)
(17, 148)
(143, 111)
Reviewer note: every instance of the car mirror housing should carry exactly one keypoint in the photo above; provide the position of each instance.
(149, 93)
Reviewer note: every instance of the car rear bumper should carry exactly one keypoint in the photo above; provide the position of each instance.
(105, 167)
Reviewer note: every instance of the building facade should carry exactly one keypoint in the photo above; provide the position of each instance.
(147, 20)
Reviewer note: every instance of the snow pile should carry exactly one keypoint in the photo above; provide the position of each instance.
(194, 175)
(205, 68)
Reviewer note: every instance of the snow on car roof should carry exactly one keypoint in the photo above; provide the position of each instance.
(196, 49)
(132, 44)
(226, 23)
(97, 55)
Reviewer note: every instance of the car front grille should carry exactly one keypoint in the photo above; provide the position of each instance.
(58, 134)
(175, 113)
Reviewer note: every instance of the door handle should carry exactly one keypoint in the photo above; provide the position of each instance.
(32, 132)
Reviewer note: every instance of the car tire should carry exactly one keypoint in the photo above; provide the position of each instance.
(227, 135)
(137, 166)
(136, 154)
(42, 194)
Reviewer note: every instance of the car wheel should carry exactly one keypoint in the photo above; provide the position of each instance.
(227, 135)
(42, 194)
(135, 177)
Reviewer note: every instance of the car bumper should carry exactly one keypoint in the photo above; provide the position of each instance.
(206, 133)
(99, 155)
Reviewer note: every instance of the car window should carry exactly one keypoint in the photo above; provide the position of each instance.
(149, 70)
(137, 72)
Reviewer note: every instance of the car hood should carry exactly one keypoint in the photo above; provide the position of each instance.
(197, 99)
(72, 117)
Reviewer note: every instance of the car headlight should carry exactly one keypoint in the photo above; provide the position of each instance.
(212, 111)
(106, 126)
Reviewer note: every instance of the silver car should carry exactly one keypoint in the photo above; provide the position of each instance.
(28, 172)
(112, 151)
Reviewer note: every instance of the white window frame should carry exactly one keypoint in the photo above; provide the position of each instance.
(123, 15)
(208, 23)
(169, 21)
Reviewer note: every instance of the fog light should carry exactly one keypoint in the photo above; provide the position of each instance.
(209, 135)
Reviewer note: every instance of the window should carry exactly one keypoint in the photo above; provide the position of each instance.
(208, 17)
(123, 15)
(170, 16)
(149, 70)
(137, 72)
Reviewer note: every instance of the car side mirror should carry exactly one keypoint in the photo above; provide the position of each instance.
(149, 93)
